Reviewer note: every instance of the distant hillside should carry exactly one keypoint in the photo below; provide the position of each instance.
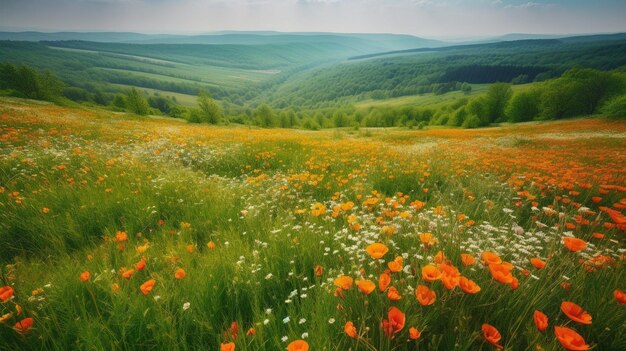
(114, 37)
(363, 43)
(501, 43)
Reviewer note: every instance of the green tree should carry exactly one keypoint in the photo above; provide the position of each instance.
(136, 102)
(50, 87)
(339, 119)
(264, 116)
(466, 88)
(562, 98)
(595, 86)
(26, 82)
(478, 109)
(524, 106)
(498, 95)
(616, 107)
(457, 119)
(210, 111)
(119, 102)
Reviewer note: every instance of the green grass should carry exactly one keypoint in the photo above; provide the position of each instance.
(432, 100)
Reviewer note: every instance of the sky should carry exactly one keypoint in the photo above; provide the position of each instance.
(427, 18)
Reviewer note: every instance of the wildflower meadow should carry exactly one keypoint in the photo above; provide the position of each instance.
(120, 232)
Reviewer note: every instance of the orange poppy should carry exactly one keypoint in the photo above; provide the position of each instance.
(121, 236)
(24, 325)
(500, 273)
(319, 270)
(298, 345)
(383, 281)
(395, 265)
(440, 257)
(6, 292)
(84, 276)
(541, 320)
(492, 335)
(251, 332)
(574, 244)
(428, 240)
(514, 283)
(366, 286)
(318, 209)
(468, 286)
(450, 281)
(430, 273)
(490, 258)
(344, 282)
(394, 322)
(350, 330)
(377, 250)
(234, 329)
(147, 286)
(537, 263)
(424, 295)
(180, 274)
(393, 294)
(570, 339)
(575, 312)
(620, 296)
(127, 273)
(414, 334)
(230, 346)
(141, 265)
(467, 259)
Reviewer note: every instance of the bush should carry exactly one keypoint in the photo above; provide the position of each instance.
(136, 103)
(26, 82)
(472, 121)
(524, 106)
(498, 95)
(615, 108)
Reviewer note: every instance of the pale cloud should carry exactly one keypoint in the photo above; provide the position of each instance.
(529, 5)
(419, 17)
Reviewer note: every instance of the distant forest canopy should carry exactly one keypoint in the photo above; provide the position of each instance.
(318, 84)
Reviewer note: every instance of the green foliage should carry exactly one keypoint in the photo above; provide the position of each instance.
(496, 99)
(340, 119)
(524, 106)
(477, 108)
(580, 91)
(264, 116)
(472, 121)
(29, 83)
(118, 102)
(136, 102)
(210, 111)
(615, 107)
(466, 88)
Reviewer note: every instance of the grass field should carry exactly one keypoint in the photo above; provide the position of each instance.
(122, 232)
(431, 99)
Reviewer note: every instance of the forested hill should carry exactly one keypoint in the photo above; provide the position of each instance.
(440, 70)
(309, 79)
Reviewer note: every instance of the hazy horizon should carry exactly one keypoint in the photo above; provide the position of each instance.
(433, 19)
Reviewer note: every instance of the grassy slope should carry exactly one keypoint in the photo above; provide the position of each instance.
(430, 99)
